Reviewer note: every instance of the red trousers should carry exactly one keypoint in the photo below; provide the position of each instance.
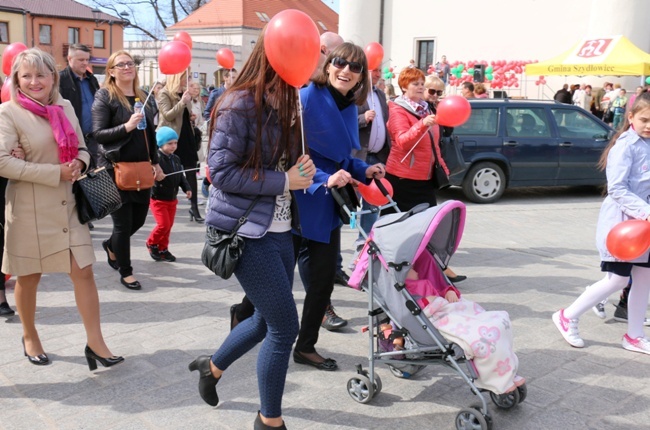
(163, 212)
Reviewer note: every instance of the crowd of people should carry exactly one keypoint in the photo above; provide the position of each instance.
(60, 124)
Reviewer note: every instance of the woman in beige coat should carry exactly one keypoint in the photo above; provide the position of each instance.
(174, 106)
(42, 232)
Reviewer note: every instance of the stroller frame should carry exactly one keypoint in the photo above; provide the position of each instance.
(366, 384)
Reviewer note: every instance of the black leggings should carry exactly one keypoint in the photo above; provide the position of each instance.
(126, 221)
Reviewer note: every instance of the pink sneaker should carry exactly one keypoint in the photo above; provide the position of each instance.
(568, 328)
(640, 344)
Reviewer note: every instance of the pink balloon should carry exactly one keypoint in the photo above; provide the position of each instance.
(9, 54)
(292, 46)
(175, 57)
(375, 55)
(226, 58)
(183, 36)
(5, 94)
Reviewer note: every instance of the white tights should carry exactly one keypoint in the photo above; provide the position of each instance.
(637, 303)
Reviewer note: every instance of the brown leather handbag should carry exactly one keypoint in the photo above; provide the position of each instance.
(135, 175)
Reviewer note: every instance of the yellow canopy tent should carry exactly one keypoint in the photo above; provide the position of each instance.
(612, 56)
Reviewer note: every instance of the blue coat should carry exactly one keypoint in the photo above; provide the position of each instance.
(331, 135)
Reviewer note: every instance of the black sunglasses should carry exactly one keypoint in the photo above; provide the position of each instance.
(340, 63)
(434, 92)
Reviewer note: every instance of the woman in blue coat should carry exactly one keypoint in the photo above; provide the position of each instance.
(331, 132)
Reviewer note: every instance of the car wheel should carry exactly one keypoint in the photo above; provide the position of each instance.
(484, 183)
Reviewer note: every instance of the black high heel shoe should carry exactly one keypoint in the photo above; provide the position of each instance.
(207, 381)
(38, 360)
(259, 424)
(93, 358)
(111, 262)
(195, 216)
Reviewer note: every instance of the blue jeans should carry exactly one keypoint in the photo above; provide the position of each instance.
(265, 272)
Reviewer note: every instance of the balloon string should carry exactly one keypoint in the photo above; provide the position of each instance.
(416, 144)
(302, 127)
(149, 95)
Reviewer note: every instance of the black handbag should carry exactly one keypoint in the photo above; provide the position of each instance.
(451, 153)
(222, 250)
(96, 195)
(440, 178)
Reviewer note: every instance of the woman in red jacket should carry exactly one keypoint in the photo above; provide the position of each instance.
(415, 149)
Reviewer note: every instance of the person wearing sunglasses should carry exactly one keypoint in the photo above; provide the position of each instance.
(330, 118)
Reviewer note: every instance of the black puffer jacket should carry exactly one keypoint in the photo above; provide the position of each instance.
(109, 117)
(167, 189)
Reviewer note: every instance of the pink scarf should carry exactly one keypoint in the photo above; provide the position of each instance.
(64, 133)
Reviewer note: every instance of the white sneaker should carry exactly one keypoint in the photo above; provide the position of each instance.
(568, 328)
(599, 310)
(640, 344)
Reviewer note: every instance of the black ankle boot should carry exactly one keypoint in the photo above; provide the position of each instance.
(207, 381)
(259, 425)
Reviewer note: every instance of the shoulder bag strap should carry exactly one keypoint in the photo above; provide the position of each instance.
(244, 217)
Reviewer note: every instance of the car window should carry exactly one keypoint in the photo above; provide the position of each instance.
(482, 121)
(527, 122)
(576, 124)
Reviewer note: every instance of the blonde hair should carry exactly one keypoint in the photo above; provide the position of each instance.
(114, 91)
(433, 80)
(39, 60)
(174, 82)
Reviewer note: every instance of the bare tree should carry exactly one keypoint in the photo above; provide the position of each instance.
(150, 17)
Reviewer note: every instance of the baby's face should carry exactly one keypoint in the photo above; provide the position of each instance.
(412, 275)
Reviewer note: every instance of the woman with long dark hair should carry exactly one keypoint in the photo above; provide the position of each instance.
(255, 161)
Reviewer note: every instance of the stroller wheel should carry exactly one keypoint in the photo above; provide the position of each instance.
(405, 372)
(377, 384)
(507, 400)
(472, 419)
(523, 392)
(360, 389)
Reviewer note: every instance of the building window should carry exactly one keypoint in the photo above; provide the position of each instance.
(45, 34)
(425, 54)
(4, 32)
(323, 26)
(203, 78)
(98, 39)
(73, 35)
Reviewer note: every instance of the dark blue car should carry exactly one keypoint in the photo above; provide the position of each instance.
(519, 143)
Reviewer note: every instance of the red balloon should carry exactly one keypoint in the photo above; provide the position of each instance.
(375, 55)
(453, 111)
(226, 58)
(629, 239)
(7, 277)
(207, 174)
(175, 57)
(292, 45)
(183, 36)
(9, 54)
(373, 195)
(5, 94)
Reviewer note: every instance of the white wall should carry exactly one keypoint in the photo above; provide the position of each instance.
(504, 30)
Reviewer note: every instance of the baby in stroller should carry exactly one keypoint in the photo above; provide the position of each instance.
(485, 336)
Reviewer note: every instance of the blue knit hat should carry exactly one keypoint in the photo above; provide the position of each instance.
(164, 135)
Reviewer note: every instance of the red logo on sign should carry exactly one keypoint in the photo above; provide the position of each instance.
(594, 48)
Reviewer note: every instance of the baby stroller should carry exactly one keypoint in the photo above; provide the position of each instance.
(428, 236)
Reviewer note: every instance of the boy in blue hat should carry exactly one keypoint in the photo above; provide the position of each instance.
(163, 195)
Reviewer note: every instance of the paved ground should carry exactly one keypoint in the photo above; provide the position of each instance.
(529, 254)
